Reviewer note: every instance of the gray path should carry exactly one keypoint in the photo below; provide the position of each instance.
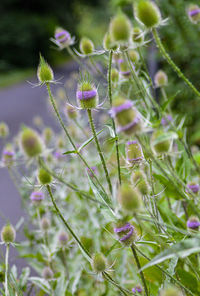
(19, 104)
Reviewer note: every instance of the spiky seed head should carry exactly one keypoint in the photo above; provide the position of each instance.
(134, 153)
(86, 46)
(44, 72)
(99, 262)
(87, 95)
(137, 35)
(44, 177)
(4, 130)
(31, 143)
(148, 13)
(129, 198)
(120, 29)
(158, 144)
(8, 234)
(160, 79)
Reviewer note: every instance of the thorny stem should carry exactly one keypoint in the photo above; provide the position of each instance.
(99, 149)
(172, 64)
(68, 135)
(113, 122)
(6, 270)
(139, 268)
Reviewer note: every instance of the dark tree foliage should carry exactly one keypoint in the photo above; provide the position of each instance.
(26, 27)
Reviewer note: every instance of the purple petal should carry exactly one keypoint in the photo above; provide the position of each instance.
(115, 110)
(85, 95)
(194, 12)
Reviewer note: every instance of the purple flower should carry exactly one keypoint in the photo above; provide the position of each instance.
(62, 36)
(137, 289)
(37, 196)
(115, 110)
(194, 12)
(7, 156)
(127, 227)
(129, 125)
(193, 187)
(166, 120)
(86, 95)
(193, 223)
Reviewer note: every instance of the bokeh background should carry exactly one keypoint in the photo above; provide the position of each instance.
(25, 31)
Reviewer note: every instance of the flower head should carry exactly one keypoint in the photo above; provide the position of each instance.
(194, 187)
(62, 38)
(134, 153)
(120, 29)
(31, 143)
(147, 13)
(193, 12)
(8, 234)
(4, 130)
(126, 233)
(8, 157)
(87, 95)
(44, 72)
(129, 198)
(99, 262)
(37, 197)
(193, 223)
(86, 46)
(160, 79)
(63, 238)
(139, 180)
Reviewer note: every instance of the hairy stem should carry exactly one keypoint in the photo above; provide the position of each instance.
(139, 268)
(171, 63)
(6, 270)
(113, 122)
(99, 149)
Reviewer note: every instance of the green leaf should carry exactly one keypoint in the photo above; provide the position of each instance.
(89, 140)
(181, 249)
(70, 152)
(111, 130)
(41, 283)
(164, 106)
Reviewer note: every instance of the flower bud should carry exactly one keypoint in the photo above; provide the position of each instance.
(127, 117)
(193, 12)
(120, 29)
(108, 43)
(45, 224)
(171, 291)
(86, 46)
(134, 152)
(47, 273)
(44, 72)
(114, 75)
(129, 198)
(134, 56)
(139, 181)
(137, 290)
(8, 234)
(4, 130)
(47, 134)
(160, 79)
(99, 262)
(31, 142)
(44, 177)
(137, 35)
(8, 157)
(37, 197)
(193, 223)
(87, 95)
(158, 145)
(194, 187)
(126, 233)
(147, 13)
(70, 111)
(63, 238)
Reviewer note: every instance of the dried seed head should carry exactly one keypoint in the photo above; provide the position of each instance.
(160, 79)
(44, 72)
(99, 262)
(108, 43)
(137, 35)
(4, 130)
(87, 95)
(31, 143)
(148, 13)
(139, 180)
(86, 46)
(120, 29)
(160, 145)
(134, 152)
(45, 224)
(47, 273)
(193, 12)
(8, 234)
(44, 177)
(171, 291)
(129, 198)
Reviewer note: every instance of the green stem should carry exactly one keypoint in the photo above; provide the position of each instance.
(68, 135)
(113, 122)
(6, 271)
(171, 63)
(99, 149)
(139, 268)
(65, 222)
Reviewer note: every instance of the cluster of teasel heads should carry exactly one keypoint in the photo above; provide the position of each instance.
(131, 123)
